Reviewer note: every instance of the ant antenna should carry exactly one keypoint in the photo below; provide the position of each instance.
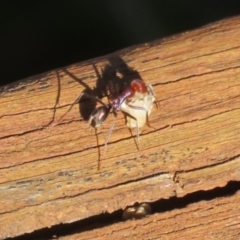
(75, 102)
(107, 139)
(138, 141)
(110, 132)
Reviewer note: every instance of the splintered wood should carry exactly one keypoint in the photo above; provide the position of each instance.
(212, 219)
(48, 168)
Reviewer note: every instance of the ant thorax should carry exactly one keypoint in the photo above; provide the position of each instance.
(138, 107)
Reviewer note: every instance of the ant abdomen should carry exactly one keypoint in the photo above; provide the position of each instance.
(139, 86)
(98, 116)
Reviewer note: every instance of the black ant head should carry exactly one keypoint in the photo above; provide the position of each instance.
(99, 115)
(116, 104)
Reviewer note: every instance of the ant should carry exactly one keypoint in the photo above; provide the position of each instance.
(136, 101)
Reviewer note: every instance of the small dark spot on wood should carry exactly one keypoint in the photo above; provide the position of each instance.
(88, 77)
(88, 179)
(60, 174)
(131, 166)
(70, 82)
(50, 179)
(107, 174)
(149, 60)
(24, 182)
(43, 87)
(43, 83)
(64, 174)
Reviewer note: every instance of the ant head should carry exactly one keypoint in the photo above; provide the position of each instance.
(116, 104)
(98, 116)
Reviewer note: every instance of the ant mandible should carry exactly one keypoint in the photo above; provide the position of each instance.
(136, 101)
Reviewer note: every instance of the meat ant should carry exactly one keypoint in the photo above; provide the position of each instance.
(136, 101)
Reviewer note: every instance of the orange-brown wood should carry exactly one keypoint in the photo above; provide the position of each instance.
(213, 219)
(48, 169)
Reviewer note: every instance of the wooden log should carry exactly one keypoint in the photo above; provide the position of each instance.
(48, 168)
(214, 219)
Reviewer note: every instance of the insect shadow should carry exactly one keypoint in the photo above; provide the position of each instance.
(112, 80)
(117, 75)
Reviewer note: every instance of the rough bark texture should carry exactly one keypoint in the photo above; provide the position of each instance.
(48, 168)
(215, 219)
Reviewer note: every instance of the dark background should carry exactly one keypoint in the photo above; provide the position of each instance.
(37, 36)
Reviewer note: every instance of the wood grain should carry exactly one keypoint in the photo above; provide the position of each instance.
(214, 219)
(48, 168)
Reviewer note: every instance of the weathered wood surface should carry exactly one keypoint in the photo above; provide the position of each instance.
(48, 169)
(214, 219)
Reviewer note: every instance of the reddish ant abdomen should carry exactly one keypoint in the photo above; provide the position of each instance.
(139, 86)
(139, 106)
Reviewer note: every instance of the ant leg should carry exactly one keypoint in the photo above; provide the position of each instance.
(92, 97)
(138, 139)
(99, 155)
(135, 139)
(78, 99)
(137, 129)
(150, 88)
(106, 142)
(147, 122)
(113, 90)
